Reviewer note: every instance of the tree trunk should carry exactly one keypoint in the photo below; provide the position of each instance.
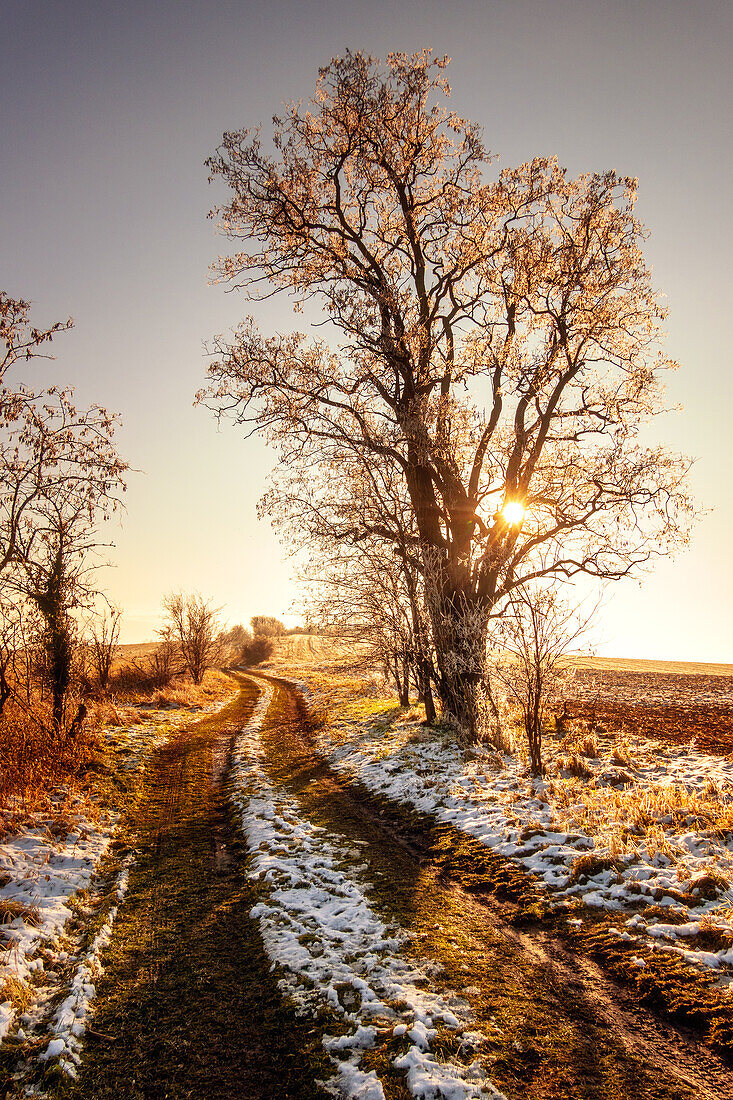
(460, 628)
(405, 693)
(426, 690)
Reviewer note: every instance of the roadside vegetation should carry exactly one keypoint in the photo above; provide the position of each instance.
(621, 847)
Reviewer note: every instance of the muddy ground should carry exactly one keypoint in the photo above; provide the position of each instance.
(667, 706)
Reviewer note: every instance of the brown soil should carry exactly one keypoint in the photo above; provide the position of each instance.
(188, 1006)
(670, 707)
(558, 1028)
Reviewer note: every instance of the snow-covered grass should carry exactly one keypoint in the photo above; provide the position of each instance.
(52, 888)
(334, 954)
(644, 832)
(69, 1020)
(40, 874)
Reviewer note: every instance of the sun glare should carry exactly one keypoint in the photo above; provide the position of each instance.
(513, 512)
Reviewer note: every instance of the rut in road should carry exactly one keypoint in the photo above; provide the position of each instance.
(559, 1029)
(187, 1006)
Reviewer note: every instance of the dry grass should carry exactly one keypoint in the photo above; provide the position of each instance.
(32, 761)
(589, 864)
(17, 992)
(623, 818)
(10, 908)
(621, 754)
(573, 763)
(34, 765)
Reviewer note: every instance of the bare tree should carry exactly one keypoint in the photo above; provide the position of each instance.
(532, 637)
(59, 581)
(60, 476)
(48, 447)
(194, 625)
(498, 343)
(105, 634)
(267, 625)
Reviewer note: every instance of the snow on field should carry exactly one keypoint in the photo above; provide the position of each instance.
(332, 950)
(659, 830)
(44, 862)
(41, 872)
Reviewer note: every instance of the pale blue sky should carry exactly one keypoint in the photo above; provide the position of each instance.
(109, 112)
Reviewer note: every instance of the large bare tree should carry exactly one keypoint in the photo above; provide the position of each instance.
(496, 340)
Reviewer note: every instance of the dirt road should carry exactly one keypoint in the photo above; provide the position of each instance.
(188, 1006)
(560, 1029)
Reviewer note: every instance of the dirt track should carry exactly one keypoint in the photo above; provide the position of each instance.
(565, 1030)
(188, 1006)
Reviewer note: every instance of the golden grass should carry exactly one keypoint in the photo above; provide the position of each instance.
(623, 818)
(32, 761)
(10, 908)
(17, 992)
(34, 765)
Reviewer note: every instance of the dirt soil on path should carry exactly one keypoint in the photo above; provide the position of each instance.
(558, 1028)
(187, 1006)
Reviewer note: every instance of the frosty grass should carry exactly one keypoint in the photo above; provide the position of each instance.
(331, 950)
(490, 797)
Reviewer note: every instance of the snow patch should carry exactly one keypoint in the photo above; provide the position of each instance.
(332, 949)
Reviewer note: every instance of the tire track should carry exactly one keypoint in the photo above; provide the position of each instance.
(187, 1007)
(558, 1027)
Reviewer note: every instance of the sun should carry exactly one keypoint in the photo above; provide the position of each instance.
(513, 512)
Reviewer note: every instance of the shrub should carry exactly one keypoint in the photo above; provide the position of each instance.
(257, 650)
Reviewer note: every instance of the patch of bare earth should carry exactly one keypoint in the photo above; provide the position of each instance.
(557, 1027)
(668, 706)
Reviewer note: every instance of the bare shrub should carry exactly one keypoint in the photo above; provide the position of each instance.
(532, 637)
(31, 762)
(105, 634)
(193, 624)
(257, 650)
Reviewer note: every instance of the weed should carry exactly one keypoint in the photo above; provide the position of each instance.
(620, 754)
(573, 763)
(590, 864)
(17, 992)
(11, 908)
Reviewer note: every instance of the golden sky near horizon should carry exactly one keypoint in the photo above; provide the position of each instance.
(109, 112)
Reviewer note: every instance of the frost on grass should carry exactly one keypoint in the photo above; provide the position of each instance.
(654, 834)
(333, 952)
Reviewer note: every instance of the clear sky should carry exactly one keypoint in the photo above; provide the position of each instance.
(108, 113)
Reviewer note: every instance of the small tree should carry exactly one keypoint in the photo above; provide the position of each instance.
(533, 636)
(267, 625)
(105, 633)
(194, 624)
